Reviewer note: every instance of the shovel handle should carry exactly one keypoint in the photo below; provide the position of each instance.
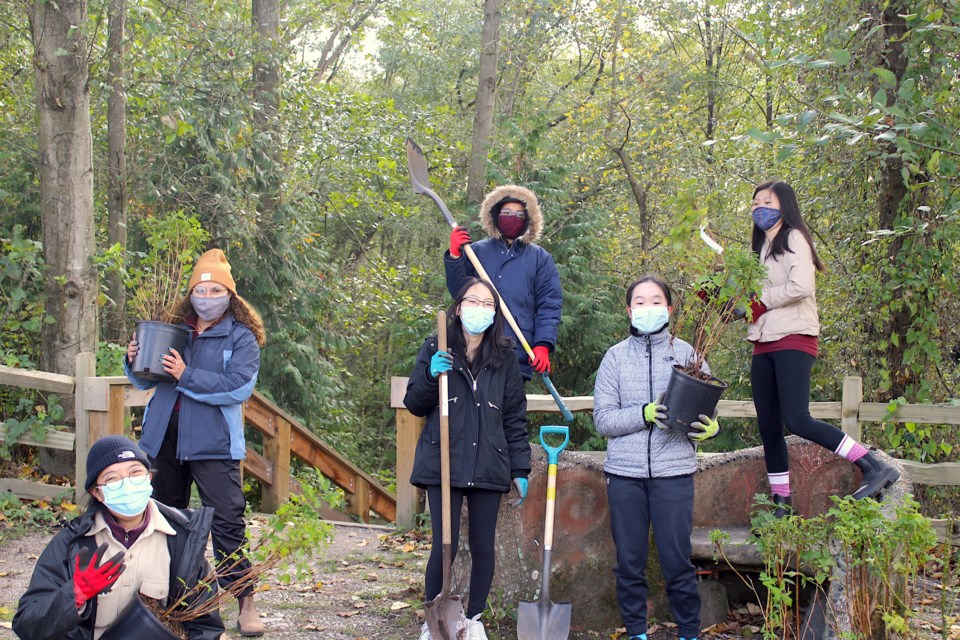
(444, 436)
(553, 453)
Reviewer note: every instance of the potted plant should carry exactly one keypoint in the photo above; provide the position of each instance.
(722, 283)
(155, 279)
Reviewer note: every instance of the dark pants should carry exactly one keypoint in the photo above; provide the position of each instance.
(780, 384)
(667, 505)
(483, 507)
(220, 487)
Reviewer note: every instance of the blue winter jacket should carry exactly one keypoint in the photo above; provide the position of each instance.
(222, 366)
(527, 278)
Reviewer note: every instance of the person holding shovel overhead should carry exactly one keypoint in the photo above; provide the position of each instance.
(524, 273)
(193, 427)
(489, 452)
(125, 545)
(649, 468)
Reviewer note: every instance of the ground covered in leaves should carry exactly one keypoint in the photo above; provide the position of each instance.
(367, 584)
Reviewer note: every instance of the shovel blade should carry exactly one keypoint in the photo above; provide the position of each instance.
(445, 618)
(543, 622)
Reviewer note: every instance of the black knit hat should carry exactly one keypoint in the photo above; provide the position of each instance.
(111, 450)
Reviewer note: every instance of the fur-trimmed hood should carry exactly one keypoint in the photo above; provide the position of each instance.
(490, 209)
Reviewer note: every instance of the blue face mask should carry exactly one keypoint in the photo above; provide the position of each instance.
(127, 499)
(765, 218)
(209, 309)
(650, 319)
(476, 320)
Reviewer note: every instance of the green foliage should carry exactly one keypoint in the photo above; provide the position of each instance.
(35, 421)
(21, 515)
(155, 278)
(21, 295)
(878, 554)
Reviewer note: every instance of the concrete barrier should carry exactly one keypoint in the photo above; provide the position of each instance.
(584, 555)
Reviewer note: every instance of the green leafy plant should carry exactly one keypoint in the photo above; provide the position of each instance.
(36, 421)
(880, 556)
(155, 278)
(722, 283)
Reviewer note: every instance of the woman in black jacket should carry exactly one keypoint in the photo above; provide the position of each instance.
(124, 545)
(489, 451)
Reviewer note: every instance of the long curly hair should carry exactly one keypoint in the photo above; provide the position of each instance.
(243, 312)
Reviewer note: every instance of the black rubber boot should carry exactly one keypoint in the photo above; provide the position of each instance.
(877, 476)
(784, 506)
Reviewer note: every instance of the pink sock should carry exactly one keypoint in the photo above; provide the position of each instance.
(779, 483)
(850, 449)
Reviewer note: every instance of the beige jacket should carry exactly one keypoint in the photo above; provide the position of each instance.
(148, 566)
(789, 293)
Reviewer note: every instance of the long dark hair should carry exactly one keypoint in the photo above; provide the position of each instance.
(655, 280)
(791, 220)
(494, 347)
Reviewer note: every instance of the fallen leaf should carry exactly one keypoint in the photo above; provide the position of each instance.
(408, 547)
(396, 606)
(347, 614)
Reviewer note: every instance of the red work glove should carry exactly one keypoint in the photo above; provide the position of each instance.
(458, 237)
(90, 580)
(757, 308)
(541, 359)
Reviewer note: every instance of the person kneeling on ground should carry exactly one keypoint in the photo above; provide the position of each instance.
(124, 545)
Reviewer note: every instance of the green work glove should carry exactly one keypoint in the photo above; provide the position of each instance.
(705, 428)
(654, 412)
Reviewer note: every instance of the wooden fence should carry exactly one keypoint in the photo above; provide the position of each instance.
(851, 411)
(102, 406)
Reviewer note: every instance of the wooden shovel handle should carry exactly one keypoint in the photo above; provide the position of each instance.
(444, 435)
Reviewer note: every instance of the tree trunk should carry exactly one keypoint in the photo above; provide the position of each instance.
(894, 194)
(486, 98)
(115, 329)
(266, 83)
(65, 149)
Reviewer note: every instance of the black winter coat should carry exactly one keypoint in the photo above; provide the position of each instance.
(48, 611)
(488, 424)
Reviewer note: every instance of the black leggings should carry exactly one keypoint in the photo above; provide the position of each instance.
(781, 394)
(483, 507)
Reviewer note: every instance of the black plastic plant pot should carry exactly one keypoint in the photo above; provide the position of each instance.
(687, 397)
(136, 621)
(156, 339)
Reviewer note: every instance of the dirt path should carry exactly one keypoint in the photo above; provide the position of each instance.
(367, 584)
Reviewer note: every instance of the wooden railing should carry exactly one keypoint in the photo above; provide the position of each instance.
(102, 405)
(850, 411)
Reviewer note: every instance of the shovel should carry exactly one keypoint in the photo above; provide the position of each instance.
(445, 617)
(419, 178)
(546, 620)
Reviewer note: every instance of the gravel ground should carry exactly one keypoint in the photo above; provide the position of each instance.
(367, 584)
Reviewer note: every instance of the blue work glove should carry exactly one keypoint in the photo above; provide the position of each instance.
(705, 428)
(441, 362)
(654, 412)
(521, 484)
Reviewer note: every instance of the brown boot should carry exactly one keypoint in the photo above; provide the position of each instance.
(248, 622)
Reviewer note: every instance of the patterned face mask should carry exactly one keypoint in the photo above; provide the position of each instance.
(765, 218)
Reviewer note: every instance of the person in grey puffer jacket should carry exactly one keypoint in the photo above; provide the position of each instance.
(649, 468)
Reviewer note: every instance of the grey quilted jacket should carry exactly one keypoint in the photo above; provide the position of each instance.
(633, 373)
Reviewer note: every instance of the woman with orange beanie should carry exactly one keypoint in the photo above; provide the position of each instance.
(193, 427)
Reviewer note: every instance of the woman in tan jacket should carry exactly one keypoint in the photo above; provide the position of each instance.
(784, 326)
